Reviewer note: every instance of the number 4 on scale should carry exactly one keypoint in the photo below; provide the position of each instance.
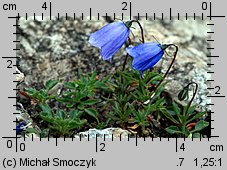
(44, 6)
(182, 147)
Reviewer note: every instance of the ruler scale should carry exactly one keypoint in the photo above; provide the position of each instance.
(112, 153)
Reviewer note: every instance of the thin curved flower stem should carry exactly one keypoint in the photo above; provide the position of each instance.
(130, 42)
(126, 57)
(170, 66)
(141, 30)
(194, 93)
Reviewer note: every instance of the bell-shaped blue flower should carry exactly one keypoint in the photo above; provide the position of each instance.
(110, 38)
(146, 55)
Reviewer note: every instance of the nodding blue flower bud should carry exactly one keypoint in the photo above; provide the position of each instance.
(146, 55)
(110, 38)
(183, 94)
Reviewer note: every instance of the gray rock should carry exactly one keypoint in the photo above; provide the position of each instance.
(108, 132)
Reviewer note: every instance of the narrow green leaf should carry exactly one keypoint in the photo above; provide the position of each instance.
(50, 84)
(46, 108)
(79, 114)
(51, 97)
(80, 106)
(99, 84)
(73, 124)
(159, 101)
(93, 76)
(75, 114)
(65, 99)
(161, 88)
(170, 117)
(198, 115)
(70, 105)
(116, 106)
(72, 114)
(31, 91)
(70, 85)
(200, 125)
(176, 108)
(69, 93)
(138, 116)
(60, 114)
(191, 109)
(155, 78)
(91, 101)
(92, 112)
(171, 112)
(43, 93)
(46, 117)
(173, 129)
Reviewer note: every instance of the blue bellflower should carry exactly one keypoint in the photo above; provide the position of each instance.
(110, 38)
(146, 55)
